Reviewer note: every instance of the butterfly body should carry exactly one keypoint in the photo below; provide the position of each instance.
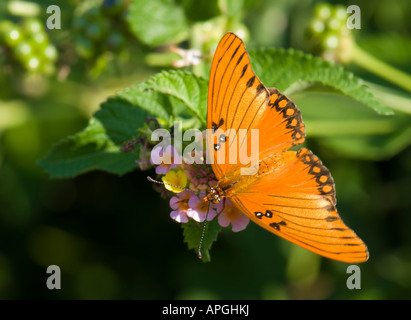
(289, 193)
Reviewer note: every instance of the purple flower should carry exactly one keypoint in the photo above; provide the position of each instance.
(201, 176)
(231, 215)
(164, 159)
(179, 204)
(198, 208)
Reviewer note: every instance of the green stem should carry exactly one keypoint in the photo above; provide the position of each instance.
(392, 98)
(380, 68)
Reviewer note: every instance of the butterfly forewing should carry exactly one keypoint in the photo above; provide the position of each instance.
(236, 100)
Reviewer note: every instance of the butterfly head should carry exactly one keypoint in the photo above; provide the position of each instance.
(214, 194)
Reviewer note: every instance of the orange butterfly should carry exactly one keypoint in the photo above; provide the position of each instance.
(292, 193)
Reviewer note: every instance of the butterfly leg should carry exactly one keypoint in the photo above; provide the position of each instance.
(223, 207)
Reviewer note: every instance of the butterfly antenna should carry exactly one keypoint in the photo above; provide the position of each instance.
(166, 183)
(200, 256)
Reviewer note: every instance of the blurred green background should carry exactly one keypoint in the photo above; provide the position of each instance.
(112, 236)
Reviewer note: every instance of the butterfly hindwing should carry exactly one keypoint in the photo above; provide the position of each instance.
(296, 200)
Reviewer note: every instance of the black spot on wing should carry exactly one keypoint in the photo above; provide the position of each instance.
(331, 218)
(289, 111)
(235, 52)
(241, 57)
(215, 126)
(260, 89)
(319, 172)
(276, 225)
(244, 70)
(251, 81)
(258, 214)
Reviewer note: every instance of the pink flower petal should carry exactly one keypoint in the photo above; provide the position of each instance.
(223, 220)
(155, 155)
(179, 216)
(198, 208)
(168, 157)
(179, 201)
(212, 212)
(194, 202)
(162, 169)
(174, 203)
(231, 215)
(196, 215)
(240, 224)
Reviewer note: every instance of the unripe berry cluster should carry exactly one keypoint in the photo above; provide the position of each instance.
(101, 29)
(327, 31)
(27, 44)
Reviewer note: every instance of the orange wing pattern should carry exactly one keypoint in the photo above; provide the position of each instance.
(296, 201)
(292, 194)
(236, 98)
(281, 126)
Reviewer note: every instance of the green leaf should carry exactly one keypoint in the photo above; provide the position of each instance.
(349, 128)
(120, 119)
(200, 10)
(192, 236)
(88, 150)
(98, 145)
(157, 22)
(330, 114)
(188, 88)
(395, 99)
(288, 69)
(372, 147)
(169, 94)
(148, 100)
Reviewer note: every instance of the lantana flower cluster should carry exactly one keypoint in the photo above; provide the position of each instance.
(189, 184)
